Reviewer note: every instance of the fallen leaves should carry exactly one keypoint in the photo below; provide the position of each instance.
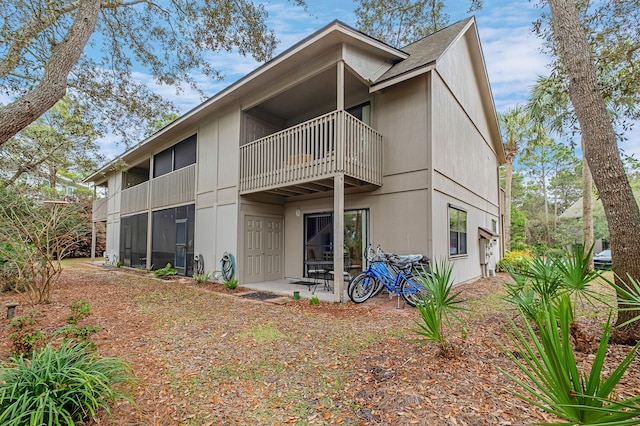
(342, 364)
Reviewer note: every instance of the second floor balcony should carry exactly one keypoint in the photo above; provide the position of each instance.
(294, 160)
(173, 188)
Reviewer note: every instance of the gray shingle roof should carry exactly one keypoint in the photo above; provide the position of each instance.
(426, 50)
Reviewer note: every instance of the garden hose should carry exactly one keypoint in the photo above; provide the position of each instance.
(228, 266)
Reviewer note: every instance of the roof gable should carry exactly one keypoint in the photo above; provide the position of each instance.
(426, 51)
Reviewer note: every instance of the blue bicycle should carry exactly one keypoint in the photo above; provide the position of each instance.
(400, 275)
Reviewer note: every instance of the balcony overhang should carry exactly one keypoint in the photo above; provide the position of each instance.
(304, 159)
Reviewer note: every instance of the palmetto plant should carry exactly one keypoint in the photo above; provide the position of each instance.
(60, 387)
(577, 276)
(438, 308)
(629, 298)
(545, 280)
(554, 382)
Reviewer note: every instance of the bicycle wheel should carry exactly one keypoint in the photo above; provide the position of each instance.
(378, 288)
(413, 292)
(360, 287)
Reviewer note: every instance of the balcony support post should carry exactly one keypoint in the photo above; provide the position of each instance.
(340, 86)
(149, 214)
(93, 240)
(338, 237)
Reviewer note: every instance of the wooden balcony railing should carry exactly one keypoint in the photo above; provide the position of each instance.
(174, 188)
(310, 151)
(99, 210)
(135, 199)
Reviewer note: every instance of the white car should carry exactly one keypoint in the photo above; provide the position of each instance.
(602, 260)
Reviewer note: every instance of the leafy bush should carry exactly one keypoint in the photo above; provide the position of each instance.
(231, 284)
(201, 278)
(314, 301)
(36, 237)
(25, 336)
(79, 311)
(60, 387)
(516, 260)
(79, 334)
(438, 308)
(167, 271)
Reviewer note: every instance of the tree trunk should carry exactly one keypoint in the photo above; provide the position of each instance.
(587, 207)
(53, 86)
(600, 147)
(508, 179)
(546, 206)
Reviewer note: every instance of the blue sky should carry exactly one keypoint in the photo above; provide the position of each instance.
(512, 52)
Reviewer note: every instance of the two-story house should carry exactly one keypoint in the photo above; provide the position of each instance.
(339, 142)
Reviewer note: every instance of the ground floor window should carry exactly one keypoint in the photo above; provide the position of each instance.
(133, 240)
(457, 231)
(318, 237)
(172, 238)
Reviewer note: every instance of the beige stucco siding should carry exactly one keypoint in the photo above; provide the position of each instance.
(465, 175)
(460, 68)
(114, 183)
(207, 174)
(216, 193)
(398, 222)
(460, 151)
(366, 65)
(401, 117)
(466, 267)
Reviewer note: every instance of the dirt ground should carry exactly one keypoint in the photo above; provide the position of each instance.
(205, 356)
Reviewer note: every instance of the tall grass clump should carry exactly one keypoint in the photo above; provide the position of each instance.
(438, 307)
(60, 386)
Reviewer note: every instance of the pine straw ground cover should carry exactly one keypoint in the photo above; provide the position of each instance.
(203, 357)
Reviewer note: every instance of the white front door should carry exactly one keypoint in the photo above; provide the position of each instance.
(263, 249)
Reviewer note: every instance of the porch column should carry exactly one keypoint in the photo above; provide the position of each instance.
(338, 191)
(338, 237)
(93, 240)
(93, 224)
(149, 214)
(340, 86)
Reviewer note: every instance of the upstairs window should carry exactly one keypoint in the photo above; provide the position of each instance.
(457, 232)
(180, 155)
(362, 112)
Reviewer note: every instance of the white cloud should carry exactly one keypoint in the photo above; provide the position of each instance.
(514, 61)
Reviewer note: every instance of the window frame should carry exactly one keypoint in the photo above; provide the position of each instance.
(459, 232)
(167, 158)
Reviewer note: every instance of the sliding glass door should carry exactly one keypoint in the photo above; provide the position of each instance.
(318, 237)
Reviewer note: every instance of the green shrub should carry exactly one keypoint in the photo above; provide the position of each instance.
(201, 278)
(231, 284)
(60, 387)
(79, 311)
(25, 336)
(314, 301)
(79, 334)
(167, 271)
(516, 260)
